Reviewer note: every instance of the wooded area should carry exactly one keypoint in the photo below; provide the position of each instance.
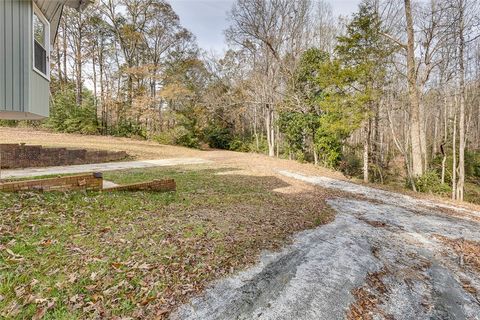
(391, 93)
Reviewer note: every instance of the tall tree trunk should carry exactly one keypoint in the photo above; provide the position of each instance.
(423, 134)
(461, 122)
(435, 134)
(270, 128)
(255, 132)
(58, 62)
(366, 150)
(102, 88)
(277, 139)
(94, 70)
(65, 47)
(415, 131)
(445, 135)
(78, 60)
(454, 155)
(375, 143)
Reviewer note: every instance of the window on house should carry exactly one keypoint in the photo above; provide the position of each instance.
(41, 31)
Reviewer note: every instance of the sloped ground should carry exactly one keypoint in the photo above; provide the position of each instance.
(138, 255)
(146, 150)
(385, 256)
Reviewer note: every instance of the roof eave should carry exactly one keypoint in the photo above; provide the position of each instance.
(78, 4)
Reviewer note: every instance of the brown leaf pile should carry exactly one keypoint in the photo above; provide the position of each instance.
(468, 251)
(368, 296)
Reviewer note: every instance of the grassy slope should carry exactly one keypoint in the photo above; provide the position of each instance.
(77, 255)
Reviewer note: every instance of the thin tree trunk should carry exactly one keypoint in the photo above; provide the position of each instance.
(255, 132)
(94, 70)
(435, 135)
(315, 152)
(65, 47)
(415, 132)
(78, 60)
(102, 88)
(445, 136)
(59, 61)
(375, 144)
(454, 154)
(366, 150)
(277, 139)
(270, 128)
(461, 124)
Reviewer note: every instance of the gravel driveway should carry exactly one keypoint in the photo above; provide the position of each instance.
(385, 256)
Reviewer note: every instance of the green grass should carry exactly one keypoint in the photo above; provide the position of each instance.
(83, 255)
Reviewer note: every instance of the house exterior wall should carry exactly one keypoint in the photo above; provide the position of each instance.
(24, 94)
(39, 94)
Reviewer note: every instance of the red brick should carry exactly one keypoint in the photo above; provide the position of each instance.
(78, 182)
(23, 156)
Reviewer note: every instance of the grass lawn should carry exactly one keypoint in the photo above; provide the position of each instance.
(84, 255)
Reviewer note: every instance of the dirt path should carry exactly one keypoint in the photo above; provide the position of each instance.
(385, 256)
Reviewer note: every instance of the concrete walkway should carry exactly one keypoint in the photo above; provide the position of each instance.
(98, 167)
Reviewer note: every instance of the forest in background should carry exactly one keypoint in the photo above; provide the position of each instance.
(390, 95)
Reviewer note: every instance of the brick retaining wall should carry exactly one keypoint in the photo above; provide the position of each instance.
(92, 181)
(24, 156)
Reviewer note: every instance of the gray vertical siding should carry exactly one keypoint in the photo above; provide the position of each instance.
(8, 52)
(15, 23)
(2, 55)
(39, 95)
(21, 88)
(17, 50)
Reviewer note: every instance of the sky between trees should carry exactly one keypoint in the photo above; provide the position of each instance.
(207, 19)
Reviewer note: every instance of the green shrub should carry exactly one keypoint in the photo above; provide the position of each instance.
(430, 182)
(300, 156)
(217, 136)
(294, 126)
(179, 135)
(8, 123)
(129, 129)
(67, 116)
(81, 120)
(472, 165)
(165, 137)
(262, 145)
(350, 165)
(188, 139)
(330, 149)
(237, 144)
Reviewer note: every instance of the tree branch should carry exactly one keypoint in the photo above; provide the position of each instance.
(401, 44)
